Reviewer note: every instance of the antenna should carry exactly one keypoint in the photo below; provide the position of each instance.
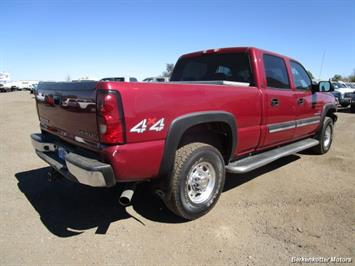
(321, 65)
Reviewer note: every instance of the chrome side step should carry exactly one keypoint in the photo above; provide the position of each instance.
(250, 163)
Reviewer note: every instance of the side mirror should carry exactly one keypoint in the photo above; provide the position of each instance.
(324, 86)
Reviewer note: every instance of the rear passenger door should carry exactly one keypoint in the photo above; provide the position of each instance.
(279, 105)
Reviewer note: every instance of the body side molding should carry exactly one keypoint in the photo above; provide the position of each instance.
(293, 124)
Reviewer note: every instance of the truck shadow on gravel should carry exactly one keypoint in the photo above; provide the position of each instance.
(68, 209)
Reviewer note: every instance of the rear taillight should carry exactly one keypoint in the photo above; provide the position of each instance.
(110, 117)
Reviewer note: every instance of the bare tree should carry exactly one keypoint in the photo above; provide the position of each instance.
(68, 78)
(337, 77)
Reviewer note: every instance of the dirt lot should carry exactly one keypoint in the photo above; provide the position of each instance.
(302, 205)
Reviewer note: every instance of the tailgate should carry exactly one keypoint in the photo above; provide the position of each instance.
(68, 110)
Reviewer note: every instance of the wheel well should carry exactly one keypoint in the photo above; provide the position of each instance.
(332, 115)
(217, 134)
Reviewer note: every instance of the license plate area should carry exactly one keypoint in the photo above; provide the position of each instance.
(62, 153)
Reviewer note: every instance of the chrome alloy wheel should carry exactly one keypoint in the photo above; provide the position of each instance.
(327, 136)
(200, 182)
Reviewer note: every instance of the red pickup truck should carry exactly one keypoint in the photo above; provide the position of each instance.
(231, 109)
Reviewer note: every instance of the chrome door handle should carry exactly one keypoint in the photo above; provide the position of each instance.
(300, 101)
(274, 102)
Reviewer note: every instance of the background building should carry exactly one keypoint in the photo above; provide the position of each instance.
(4, 77)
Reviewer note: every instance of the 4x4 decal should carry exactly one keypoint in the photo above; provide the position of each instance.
(151, 123)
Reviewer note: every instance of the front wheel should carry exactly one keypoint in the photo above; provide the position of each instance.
(197, 180)
(325, 136)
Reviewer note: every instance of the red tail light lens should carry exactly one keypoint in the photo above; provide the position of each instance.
(110, 117)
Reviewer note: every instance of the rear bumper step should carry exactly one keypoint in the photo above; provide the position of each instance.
(76, 168)
(253, 162)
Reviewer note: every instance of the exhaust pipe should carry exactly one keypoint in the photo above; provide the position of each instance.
(127, 194)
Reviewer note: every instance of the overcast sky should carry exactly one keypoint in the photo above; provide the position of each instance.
(48, 40)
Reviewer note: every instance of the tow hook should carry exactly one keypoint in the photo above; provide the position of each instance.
(127, 194)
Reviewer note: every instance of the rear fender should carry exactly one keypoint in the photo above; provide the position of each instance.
(179, 126)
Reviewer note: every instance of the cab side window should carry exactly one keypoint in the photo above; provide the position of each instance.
(300, 77)
(276, 72)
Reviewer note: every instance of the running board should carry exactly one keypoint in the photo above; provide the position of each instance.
(250, 163)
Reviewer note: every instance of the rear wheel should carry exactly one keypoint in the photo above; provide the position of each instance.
(325, 136)
(197, 180)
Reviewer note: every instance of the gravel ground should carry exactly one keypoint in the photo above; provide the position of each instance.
(302, 205)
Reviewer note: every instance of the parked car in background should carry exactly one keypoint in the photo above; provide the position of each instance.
(10, 86)
(342, 92)
(350, 85)
(121, 79)
(21, 84)
(3, 88)
(156, 79)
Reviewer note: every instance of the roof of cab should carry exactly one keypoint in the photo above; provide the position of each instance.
(232, 50)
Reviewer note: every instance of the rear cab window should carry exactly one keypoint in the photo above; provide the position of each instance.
(276, 72)
(212, 67)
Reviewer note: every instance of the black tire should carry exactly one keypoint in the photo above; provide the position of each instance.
(324, 146)
(188, 159)
(352, 108)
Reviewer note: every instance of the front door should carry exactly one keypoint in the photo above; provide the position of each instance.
(308, 112)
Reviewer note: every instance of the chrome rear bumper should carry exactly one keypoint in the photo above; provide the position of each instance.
(75, 167)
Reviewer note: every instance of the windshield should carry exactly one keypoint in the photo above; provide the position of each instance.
(338, 85)
(207, 67)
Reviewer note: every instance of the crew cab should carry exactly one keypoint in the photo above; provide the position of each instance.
(224, 110)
